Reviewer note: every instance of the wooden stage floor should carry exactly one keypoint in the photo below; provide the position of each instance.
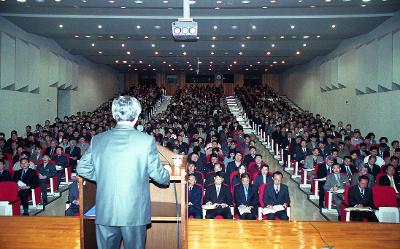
(231, 234)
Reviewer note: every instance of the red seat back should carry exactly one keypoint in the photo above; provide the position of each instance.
(384, 196)
(378, 177)
(261, 194)
(346, 195)
(233, 174)
(8, 191)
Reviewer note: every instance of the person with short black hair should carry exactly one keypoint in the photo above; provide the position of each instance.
(5, 176)
(218, 194)
(194, 198)
(277, 194)
(27, 179)
(390, 179)
(361, 196)
(245, 197)
(46, 171)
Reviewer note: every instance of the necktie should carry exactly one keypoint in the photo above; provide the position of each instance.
(348, 170)
(391, 181)
(218, 188)
(23, 174)
(362, 194)
(276, 190)
(337, 178)
(246, 191)
(264, 179)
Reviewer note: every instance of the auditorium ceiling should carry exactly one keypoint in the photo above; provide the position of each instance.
(234, 35)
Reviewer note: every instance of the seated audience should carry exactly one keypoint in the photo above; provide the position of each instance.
(27, 179)
(46, 171)
(390, 179)
(73, 200)
(218, 194)
(336, 182)
(360, 196)
(245, 197)
(194, 198)
(5, 176)
(277, 194)
(263, 177)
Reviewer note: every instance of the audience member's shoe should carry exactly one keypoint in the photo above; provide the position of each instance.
(339, 218)
(25, 213)
(45, 202)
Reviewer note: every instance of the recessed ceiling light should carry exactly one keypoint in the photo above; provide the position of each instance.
(264, 7)
(156, 53)
(297, 52)
(218, 2)
(215, 27)
(268, 53)
(57, 1)
(138, 1)
(100, 52)
(273, 45)
(88, 36)
(272, 1)
(172, 69)
(128, 52)
(182, 45)
(93, 44)
(234, 26)
(117, 61)
(123, 7)
(111, 37)
(248, 37)
(135, 69)
(212, 53)
(20, 1)
(213, 45)
(245, 2)
(123, 45)
(240, 53)
(124, 62)
(111, 1)
(234, 62)
(333, 26)
(258, 62)
(146, 37)
(170, 53)
(76, 36)
(217, 8)
(214, 37)
(306, 36)
(153, 45)
(99, 26)
(274, 62)
(140, 62)
(292, 26)
(328, 1)
(254, 27)
(231, 37)
(312, 6)
(157, 27)
(242, 45)
(366, 1)
(165, 1)
(304, 44)
(129, 65)
(154, 69)
(247, 69)
(363, 5)
(318, 36)
(61, 26)
(282, 37)
(283, 62)
(138, 26)
(184, 53)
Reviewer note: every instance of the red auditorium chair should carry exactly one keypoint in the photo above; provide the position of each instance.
(378, 176)
(262, 205)
(233, 174)
(9, 192)
(386, 201)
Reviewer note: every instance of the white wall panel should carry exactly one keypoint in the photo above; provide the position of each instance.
(68, 79)
(33, 67)
(385, 61)
(62, 71)
(322, 75)
(396, 57)
(53, 69)
(7, 60)
(371, 66)
(75, 75)
(21, 64)
(334, 71)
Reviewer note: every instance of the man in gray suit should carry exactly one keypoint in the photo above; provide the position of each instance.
(121, 161)
(335, 182)
(311, 161)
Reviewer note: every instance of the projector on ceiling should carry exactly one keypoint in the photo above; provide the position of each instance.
(184, 30)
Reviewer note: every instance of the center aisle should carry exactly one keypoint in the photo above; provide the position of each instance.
(302, 209)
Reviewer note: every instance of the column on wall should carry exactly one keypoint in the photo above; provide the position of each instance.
(271, 80)
(238, 79)
(160, 79)
(130, 80)
(181, 79)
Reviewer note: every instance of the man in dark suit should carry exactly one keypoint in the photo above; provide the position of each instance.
(51, 150)
(263, 178)
(74, 152)
(27, 179)
(218, 194)
(251, 157)
(5, 176)
(302, 152)
(390, 179)
(233, 166)
(373, 169)
(73, 199)
(46, 171)
(361, 196)
(277, 194)
(347, 168)
(245, 197)
(323, 170)
(192, 171)
(210, 175)
(123, 193)
(195, 195)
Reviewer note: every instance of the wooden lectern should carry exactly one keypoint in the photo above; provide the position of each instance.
(168, 208)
